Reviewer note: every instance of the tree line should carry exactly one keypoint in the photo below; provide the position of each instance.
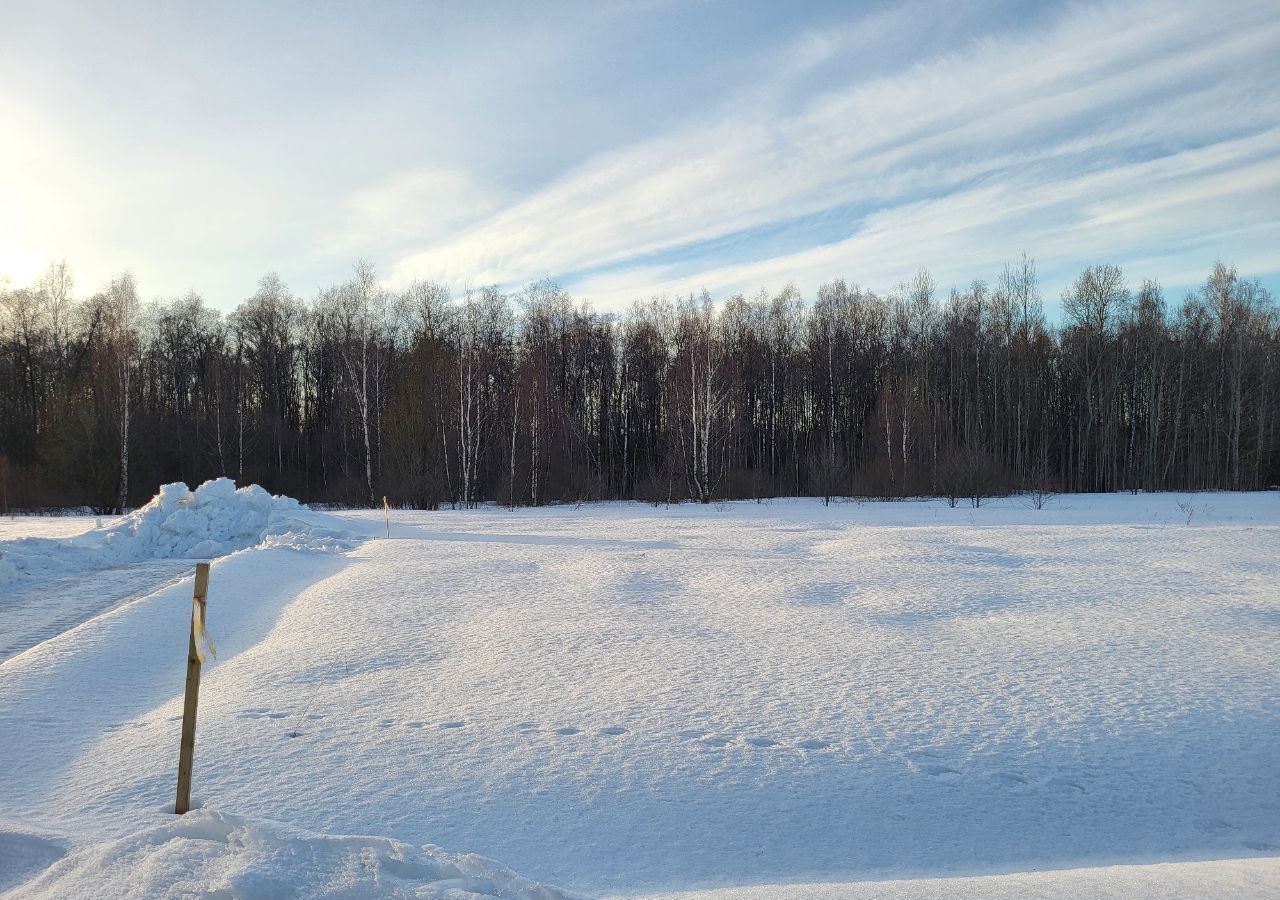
(533, 398)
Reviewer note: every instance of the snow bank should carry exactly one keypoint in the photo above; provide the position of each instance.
(209, 853)
(213, 520)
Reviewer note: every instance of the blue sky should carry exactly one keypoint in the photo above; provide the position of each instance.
(629, 149)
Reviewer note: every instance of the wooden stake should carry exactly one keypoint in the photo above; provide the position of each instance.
(188, 748)
(386, 514)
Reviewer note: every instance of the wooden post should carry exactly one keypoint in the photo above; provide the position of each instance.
(188, 748)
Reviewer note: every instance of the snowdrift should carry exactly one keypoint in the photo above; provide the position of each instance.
(213, 520)
(209, 853)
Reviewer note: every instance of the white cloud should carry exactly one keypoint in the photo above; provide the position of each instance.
(420, 204)
(1119, 214)
(1028, 111)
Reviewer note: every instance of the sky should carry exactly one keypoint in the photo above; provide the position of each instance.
(634, 149)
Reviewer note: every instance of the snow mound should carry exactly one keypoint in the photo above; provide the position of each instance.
(23, 855)
(210, 853)
(215, 519)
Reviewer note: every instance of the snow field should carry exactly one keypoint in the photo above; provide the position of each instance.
(15, 527)
(804, 697)
(627, 700)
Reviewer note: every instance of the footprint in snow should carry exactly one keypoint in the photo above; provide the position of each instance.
(126, 725)
(454, 724)
(567, 731)
(691, 733)
(613, 730)
(715, 741)
(527, 727)
(762, 742)
(1011, 779)
(813, 744)
(412, 724)
(386, 723)
(940, 771)
(261, 714)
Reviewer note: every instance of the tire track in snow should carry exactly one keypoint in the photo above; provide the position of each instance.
(43, 611)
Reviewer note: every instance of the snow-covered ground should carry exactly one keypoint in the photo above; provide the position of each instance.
(742, 701)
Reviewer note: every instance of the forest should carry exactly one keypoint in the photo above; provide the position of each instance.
(532, 398)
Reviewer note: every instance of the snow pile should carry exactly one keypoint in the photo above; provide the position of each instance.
(209, 853)
(213, 520)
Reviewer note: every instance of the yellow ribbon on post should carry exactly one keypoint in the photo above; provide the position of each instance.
(203, 641)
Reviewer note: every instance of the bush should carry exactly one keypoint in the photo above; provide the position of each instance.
(969, 474)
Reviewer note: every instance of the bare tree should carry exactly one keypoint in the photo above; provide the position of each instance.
(699, 353)
(120, 306)
(483, 334)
